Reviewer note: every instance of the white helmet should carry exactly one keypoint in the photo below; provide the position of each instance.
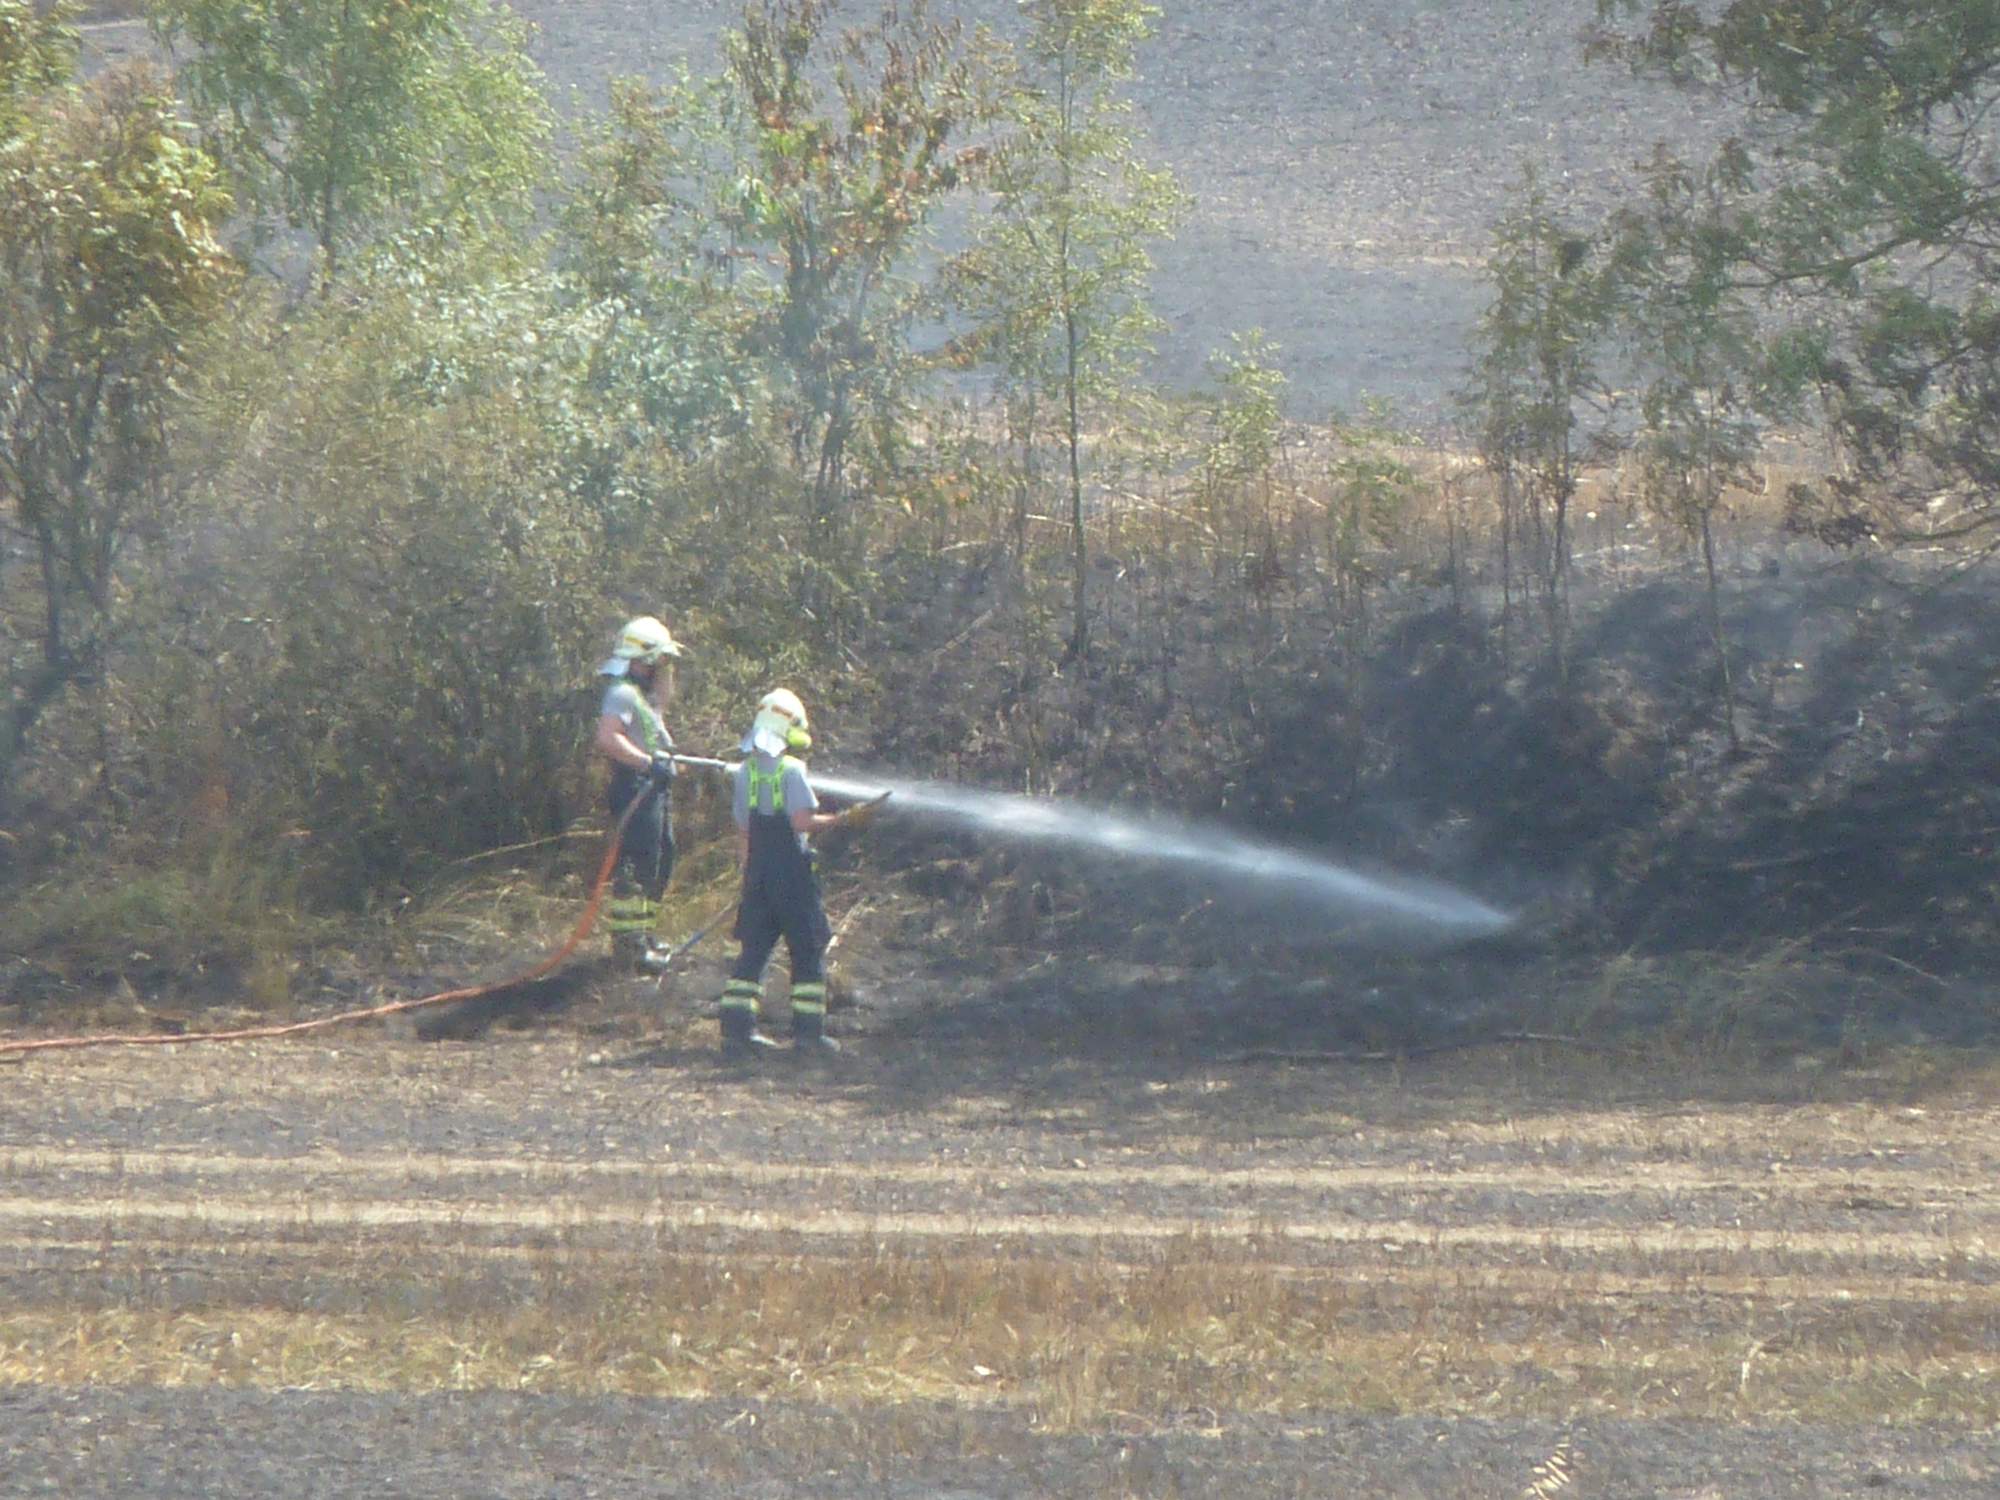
(780, 725)
(644, 639)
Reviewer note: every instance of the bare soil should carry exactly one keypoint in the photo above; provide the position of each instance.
(596, 1262)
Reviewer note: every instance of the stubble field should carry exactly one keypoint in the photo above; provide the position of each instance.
(566, 1264)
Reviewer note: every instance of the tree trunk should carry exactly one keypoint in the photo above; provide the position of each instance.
(1716, 634)
(1507, 527)
(30, 695)
(1079, 640)
(329, 254)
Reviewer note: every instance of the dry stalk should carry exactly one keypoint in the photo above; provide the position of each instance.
(1400, 1054)
(1552, 1474)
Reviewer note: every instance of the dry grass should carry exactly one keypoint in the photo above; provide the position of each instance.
(1077, 1343)
(227, 918)
(1794, 1004)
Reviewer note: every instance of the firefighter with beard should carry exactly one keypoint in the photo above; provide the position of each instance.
(632, 735)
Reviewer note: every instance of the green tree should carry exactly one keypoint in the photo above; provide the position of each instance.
(834, 193)
(1876, 236)
(1701, 372)
(339, 117)
(645, 272)
(1370, 488)
(1058, 279)
(1234, 463)
(389, 474)
(37, 55)
(109, 272)
(1535, 382)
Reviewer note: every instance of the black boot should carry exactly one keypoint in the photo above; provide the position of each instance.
(741, 1040)
(809, 1038)
(636, 954)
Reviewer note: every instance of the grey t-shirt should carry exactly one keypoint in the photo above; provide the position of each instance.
(624, 702)
(797, 789)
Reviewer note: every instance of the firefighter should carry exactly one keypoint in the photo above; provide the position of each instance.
(633, 736)
(777, 813)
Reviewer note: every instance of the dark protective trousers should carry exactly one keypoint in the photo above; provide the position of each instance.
(645, 855)
(780, 900)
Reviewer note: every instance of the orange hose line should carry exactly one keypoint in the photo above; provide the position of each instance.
(394, 1007)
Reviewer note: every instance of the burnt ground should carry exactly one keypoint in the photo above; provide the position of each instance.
(365, 1265)
(226, 1443)
(1072, 1216)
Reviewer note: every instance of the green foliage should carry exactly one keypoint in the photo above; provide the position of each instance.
(1056, 285)
(1703, 377)
(37, 54)
(1236, 449)
(1075, 210)
(690, 393)
(1372, 489)
(219, 914)
(1536, 378)
(464, 495)
(1693, 334)
(834, 192)
(344, 117)
(109, 272)
(1248, 414)
(643, 274)
(1874, 230)
(412, 516)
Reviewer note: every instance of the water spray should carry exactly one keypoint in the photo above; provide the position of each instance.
(1281, 880)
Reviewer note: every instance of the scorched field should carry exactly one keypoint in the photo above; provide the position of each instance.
(575, 1265)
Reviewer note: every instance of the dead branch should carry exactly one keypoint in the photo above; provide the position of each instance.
(554, 838)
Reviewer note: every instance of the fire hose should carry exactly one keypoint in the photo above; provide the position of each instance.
(547, 966)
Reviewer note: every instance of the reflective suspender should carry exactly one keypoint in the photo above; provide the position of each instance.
(775, 780)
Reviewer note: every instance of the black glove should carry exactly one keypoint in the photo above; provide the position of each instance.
(663, 770)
